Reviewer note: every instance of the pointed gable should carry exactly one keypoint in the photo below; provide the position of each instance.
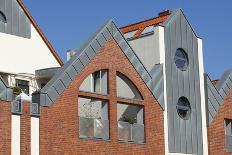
(85, 54)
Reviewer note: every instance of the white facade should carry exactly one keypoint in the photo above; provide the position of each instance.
(20, 57)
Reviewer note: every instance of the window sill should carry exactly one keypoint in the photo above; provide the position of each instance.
(96, 139)
(121, 141)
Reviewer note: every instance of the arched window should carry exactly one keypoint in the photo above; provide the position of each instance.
(94, 101)
(96, 82)
(126, 89)
(2, 17)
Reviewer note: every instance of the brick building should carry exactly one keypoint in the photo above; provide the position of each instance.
(139, 89)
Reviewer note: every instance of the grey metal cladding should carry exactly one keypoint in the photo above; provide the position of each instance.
(59, 86)
(35, 109)
(84, 59)
(96, 46)
(217, 93)
(185, 136)
(63, 77)
(71, 72)
(90, 52)
(6, 93)
(16, 107)
(52, 93)
(66, 80)
(101, 39)
(17, 23)
(78, 65)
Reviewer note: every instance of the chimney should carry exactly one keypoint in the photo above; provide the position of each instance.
(70, 53)
(164, 13)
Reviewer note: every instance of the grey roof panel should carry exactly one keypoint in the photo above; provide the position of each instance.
(216, 94)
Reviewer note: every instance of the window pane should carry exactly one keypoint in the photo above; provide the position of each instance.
(126, 89)
(93, 118)
(130, 123)
(23, 85)
(96, 82)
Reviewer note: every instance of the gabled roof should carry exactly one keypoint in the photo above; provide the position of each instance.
(137, 29)
(66, 74)
(215, 94)
(6, 93)
(40, 32)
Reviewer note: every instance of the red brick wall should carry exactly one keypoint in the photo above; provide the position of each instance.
(5, 128)
(25, 129)
(59, 123)
(216, 130)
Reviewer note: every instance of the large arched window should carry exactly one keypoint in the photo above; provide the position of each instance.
(93, 107)
(2, 17)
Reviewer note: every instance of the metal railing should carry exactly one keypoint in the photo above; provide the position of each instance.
(229, 143)
(130, 132)
(93, 128)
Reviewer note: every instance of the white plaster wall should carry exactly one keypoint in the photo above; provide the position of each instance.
(22, 55)
(147, 49)
(202, 90)
(34, 136)
(15, 134)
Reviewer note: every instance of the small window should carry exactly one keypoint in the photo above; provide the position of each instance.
(2, 17)
(130, 123)
(183, 108)
(181, 59)
(93, 118)
(228, 134)
(23, 85)
(97, 82)
(126, 89)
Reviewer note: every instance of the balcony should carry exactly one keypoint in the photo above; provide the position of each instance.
(93, 128)
(131, 132)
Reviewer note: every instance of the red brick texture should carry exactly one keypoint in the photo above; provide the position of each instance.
(5, 128)
(216, 130)
(25, 129)
(59, 123)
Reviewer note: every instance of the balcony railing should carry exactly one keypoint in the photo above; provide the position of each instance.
(93, 128)
(229, 143)
(130, 132)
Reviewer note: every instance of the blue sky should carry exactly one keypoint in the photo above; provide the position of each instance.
(68, 23)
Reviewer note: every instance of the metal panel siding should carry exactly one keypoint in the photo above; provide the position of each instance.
(52, 93)
(17, 22)
(78, 66)
(71, 72)
(106, 34)
(185, 136)
(59, 86)
(84, 59)
(101, 39)
(90, 52)
(95, 45)
(65, 79)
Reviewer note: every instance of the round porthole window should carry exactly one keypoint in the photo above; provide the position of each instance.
(183, 108)
(181, 59)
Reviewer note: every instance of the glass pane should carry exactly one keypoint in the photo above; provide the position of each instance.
(126, 89)
(138, 133)
(96, 82)
(124, 131)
